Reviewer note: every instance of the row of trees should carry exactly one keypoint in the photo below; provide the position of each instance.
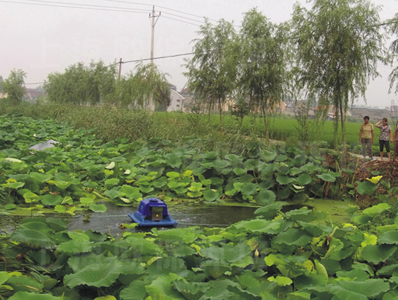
(327, 53)
(99, 84)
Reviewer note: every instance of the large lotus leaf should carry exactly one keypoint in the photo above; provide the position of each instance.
(39, 177)
(113, 193)
(268, 155)
(24, 284)
(239, 255)
(388, 270)
(188, 235)
(315, 229)
(135, 291)
(75, 247)
(219, 290)
(361, 219)
(167, 265)
(98, 207)
(251, 164)
(112, 182)
(359, 275)
(256, 225)
(304, 179)
(265, 197)
(79, 262)
(305, 281)
(30, 197)
(234, 159)
(366, 188)
(215, 268)
(210, 195)
(378, 253)
(97, 275)
(105, 298)
(51, 200)
(142, 246)
(348, 290)
(220, 164)
(214, 253)
(37, 226)
(284, 193)
(191, 291)
(327, 177)
(299, 296)
(283, 170)
(32, 296)
(283, 179)
(267, 171)
(173, 160)
(3, 277)
(270, 211)
(389, 237)
(376, 209)
(293, 236)
(243, 294)
(33, 237)
(306, 215)
(162, 288)
(267, 184)
(248, 189)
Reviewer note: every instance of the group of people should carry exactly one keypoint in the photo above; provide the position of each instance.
(366, 137)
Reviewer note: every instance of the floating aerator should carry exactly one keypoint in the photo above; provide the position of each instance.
(152, 212)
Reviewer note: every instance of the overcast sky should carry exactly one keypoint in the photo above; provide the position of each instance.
(40, 37)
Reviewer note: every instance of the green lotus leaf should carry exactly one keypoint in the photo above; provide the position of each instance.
(131, 192)
(215, 269)
(30, 197)
(210, 195)
(292, 237)
(173, 160)
(39, 177)
(98, 207)
(280, 280)
(306, 281)
(86, 201)
(270, 211)
(376, 209)
(249, 189)
(303, 179)
(51, 200)
(24, 284)
(265, 197)
(112, 182)
(78, 236)
(268, 155)
(166, 265)
(162, 288)
(361, 219)
(299, 296)
(173, 174)
(105, 298)
(33, 237)
(348, 290)
(159, 183)
(389, 237)
(135, 291)
(220, 164)
(243, 294)
(142, 246)
(306, 215)
(190, 290)
(214, 253)
(283, 170)
(187, 235)
(75, 247)
(366, 188)
(239, 255)
(97, 275)
(62, 184)
(10, 206)
(14, 185)
(31, 296)
(113, 193)
(359, 275)
(283, 179)
(3, 277)
(327, 177)
(259, 226)
(266, 185)
(378, 253)
(239, 171)
(60, 209)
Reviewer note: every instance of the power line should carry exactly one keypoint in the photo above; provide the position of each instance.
(181, 21)
(179, 11)
(165, 12)
(78, 6)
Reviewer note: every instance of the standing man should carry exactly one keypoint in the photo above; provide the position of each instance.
(366, 136)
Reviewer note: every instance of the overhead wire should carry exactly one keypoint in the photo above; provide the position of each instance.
(182, 21)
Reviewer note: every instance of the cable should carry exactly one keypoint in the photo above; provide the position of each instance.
(66, 5)
(165, 12)
(127, 2)
(185, 13)
(181, 21)
(159, 57)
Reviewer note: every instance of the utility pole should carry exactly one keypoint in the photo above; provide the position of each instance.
(154, 20)
(120, 67)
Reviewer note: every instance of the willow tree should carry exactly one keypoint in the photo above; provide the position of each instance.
(338, 45)
(212, 69)
(263, 74)
(14, 86)
(393, 26)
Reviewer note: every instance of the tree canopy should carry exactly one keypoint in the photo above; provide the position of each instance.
(14, 85)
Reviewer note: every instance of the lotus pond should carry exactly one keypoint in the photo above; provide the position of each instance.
(265, 252)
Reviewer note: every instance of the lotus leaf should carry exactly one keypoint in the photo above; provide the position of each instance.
(135, 291)
(97, 275)
(378, 253)
(39, 177)
(33, 237)
(30, 296)
(173, 160)
(75, 247)
(3, 277)
(292, 237)
(24, 284)
(51, 200)
(270, 211)
(376, 209)
(280, 280)
(283, 179)
(328, 177)
(370, 288)
(366, 188)
(210, 195)
(191, 291)
(265, 197)
(215, 269)
(303, 179)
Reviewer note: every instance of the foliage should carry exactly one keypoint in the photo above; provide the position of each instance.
(212, 70)
(263, 62)
(338, 44)
(288, 255)
(14, 86)
(97, 84)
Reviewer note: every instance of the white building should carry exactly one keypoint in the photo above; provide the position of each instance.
(176, 101)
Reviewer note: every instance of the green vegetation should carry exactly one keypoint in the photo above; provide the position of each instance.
(13, 86)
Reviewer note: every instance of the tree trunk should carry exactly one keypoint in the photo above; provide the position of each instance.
(265, 122)
(220, 108)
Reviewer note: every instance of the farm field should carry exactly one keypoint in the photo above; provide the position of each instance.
(292, 254)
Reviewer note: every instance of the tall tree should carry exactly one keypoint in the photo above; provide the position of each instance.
(212, 70)
(263, 74)
(393, 27)
(338, 44)
(14, 86)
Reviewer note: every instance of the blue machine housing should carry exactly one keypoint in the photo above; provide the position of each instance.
(152, 212)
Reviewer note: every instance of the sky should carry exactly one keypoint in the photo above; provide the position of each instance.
(46, 36)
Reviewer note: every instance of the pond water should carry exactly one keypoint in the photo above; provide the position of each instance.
(205, 216)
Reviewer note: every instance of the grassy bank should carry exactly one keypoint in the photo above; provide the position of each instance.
(109, 123)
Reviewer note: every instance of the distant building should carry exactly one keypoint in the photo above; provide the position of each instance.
(176, 101)
(331, 112)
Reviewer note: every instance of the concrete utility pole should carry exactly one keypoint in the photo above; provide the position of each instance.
(154, 20)
(120, 67)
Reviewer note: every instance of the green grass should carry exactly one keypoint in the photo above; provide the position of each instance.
(109, 123)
